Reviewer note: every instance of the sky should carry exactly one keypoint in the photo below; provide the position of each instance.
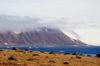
(80, 16)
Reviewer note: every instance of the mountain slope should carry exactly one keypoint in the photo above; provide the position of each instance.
(38, 37)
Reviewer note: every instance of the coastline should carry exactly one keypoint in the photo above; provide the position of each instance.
(84, 50)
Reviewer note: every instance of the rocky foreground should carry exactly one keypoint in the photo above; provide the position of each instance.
(16, 57)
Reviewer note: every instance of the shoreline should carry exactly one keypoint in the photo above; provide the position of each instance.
(59, 49)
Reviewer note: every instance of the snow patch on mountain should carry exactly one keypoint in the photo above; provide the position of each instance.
(70, 35)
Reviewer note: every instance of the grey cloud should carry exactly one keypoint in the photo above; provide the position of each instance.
(17, 23)
(23, 23)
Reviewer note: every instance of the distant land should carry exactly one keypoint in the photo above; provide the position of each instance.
(38, 37)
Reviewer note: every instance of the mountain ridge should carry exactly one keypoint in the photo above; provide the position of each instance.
(38, 37)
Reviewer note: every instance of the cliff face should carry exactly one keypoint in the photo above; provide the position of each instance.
(39, 37)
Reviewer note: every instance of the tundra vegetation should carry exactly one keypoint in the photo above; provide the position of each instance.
(16, 57)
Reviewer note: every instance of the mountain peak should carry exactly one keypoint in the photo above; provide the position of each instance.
(38, 37)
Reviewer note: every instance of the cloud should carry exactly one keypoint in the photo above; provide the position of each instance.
(23, 23)
(18, 23)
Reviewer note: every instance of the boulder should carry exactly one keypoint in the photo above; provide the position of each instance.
(52, 61)
(98, 55)
(51, 52)
(1, 49)
(78, 57)
(89, 55)
(12, 58)
(76, 53)
(35, 54)
(65, 63)
(15, 48)
(66, 53)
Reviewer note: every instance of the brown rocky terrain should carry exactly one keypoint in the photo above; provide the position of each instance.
(18, 57)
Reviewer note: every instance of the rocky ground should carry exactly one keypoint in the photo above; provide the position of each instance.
(16, 57)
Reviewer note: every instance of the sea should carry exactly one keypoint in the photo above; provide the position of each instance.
(84, 50)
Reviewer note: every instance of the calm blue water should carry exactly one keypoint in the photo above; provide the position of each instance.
(85, 50)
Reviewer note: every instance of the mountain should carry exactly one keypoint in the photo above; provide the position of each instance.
(38, 37)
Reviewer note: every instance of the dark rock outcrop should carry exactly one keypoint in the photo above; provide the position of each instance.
(15, 49)
(76, 53)
(98, 55)
(66, 63)
(12, 58)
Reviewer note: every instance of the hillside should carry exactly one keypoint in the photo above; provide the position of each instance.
(38, 37)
